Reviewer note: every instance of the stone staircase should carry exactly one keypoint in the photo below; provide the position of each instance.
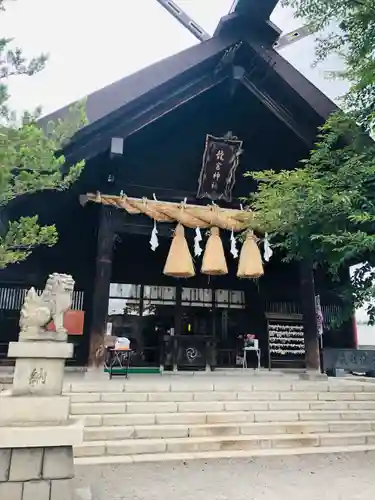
(165, 418)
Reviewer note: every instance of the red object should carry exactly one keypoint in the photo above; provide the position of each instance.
(248, 336)
(73, 322)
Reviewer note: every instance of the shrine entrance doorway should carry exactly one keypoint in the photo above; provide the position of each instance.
(179, 327)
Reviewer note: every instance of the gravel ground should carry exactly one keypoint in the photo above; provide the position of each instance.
(311, 477)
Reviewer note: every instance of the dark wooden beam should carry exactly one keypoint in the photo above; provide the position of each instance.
(312, 96)
(307, 288)
(126, 98)
(164, 229)
(149, 83)
(125, 126)
(253, 23)
(307, 137)
(106, 237)
(262, 10)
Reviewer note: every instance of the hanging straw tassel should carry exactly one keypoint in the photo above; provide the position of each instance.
(179, 262)
(250, 263)
(214, 262)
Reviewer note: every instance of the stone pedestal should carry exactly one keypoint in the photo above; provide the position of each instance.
(39, 367)
(36, 434)
(36, 473)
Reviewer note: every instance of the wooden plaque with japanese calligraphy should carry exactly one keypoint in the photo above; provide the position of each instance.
(220, 161)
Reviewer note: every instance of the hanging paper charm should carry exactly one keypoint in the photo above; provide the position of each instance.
(198, 238)
(154, 242)
(233, 246)
(267, 251)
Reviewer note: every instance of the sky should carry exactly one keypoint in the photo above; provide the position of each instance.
(92, 44)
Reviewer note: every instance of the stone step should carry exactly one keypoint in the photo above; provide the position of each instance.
(103, 433)
(166, 385)
(129, 447)
(200, 418)
(216, 455)
(102, 408)
(159, 418)
(160, 397)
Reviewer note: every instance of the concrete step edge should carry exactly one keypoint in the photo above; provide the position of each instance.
(240, 437)
(229, 401)
(201, 417)
(281, 411)
(239, 388)
(158, 457)
(113, 387)
(231, 424)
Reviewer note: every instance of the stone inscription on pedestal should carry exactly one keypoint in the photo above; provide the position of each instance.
(38, 377)
(34, 374)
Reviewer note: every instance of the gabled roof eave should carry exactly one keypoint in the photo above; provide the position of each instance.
(112, 98)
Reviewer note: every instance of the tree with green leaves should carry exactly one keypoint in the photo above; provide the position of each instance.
(348, 29)
(31, 158)
(324, 210)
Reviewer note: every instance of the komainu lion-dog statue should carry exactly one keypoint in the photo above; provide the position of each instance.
(39, 310)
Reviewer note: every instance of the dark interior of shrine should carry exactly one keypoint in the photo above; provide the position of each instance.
(164, 160)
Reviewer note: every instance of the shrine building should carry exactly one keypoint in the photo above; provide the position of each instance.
(166, 150)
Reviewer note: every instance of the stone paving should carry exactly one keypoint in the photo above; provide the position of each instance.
(310, 477)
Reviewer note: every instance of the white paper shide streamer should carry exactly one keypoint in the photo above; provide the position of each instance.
(268, 252)
(197, 239)
(154, 242)
(233, 246)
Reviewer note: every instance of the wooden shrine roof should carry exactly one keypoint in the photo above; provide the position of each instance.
(261, 8)
(128, 105)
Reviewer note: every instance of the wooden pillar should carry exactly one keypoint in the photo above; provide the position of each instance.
(213, 343)
(177, 326)
(255, 304)
(309, 316)
(106, 236)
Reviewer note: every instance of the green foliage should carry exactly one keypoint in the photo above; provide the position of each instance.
(30, 157)
(21, 238)
(354, 41)
(325, 209)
